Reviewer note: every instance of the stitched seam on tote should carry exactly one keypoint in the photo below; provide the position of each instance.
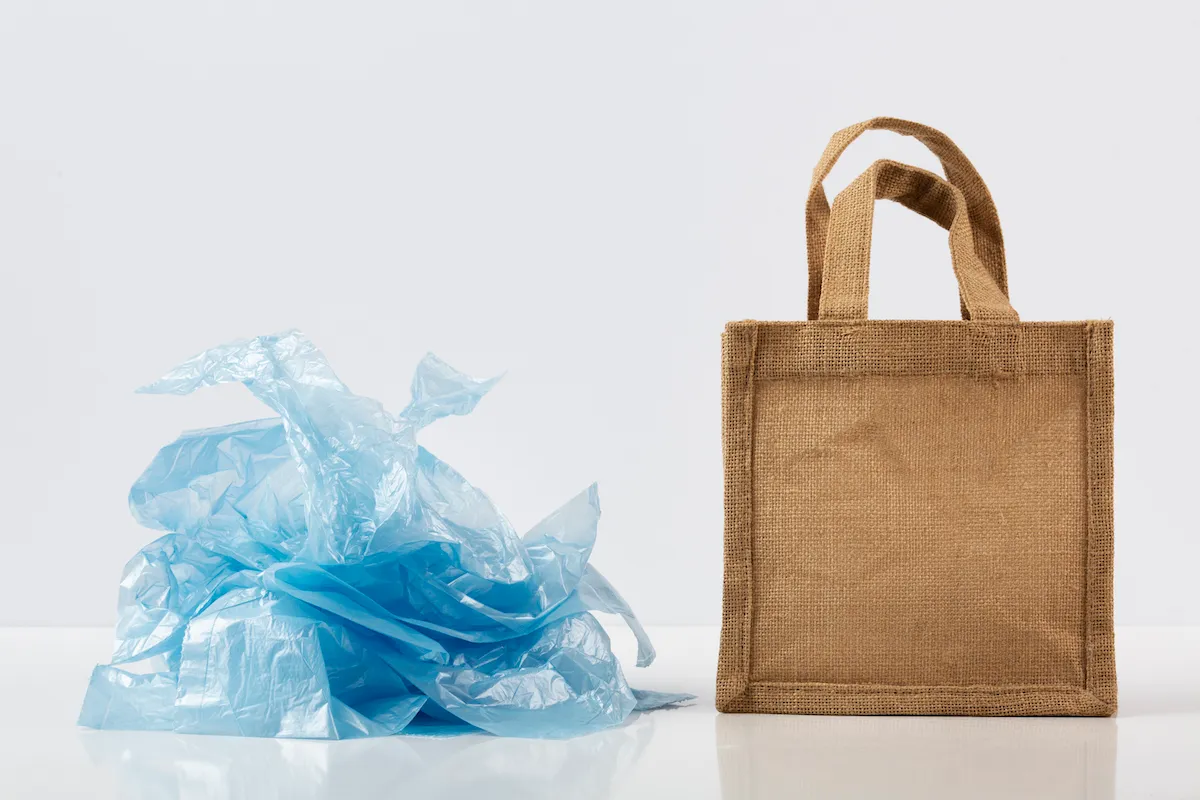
(908, 373)
(1100, 677)
(856, 688)
(1089, 512)
(748, 411)
(729, 689)
(832, 324)
(851, 350)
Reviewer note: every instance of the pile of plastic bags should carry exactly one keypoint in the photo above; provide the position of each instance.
(324, 576)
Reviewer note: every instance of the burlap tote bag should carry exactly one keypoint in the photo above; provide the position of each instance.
(918, 515)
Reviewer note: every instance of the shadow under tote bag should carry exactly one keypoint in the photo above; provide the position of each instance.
(918, 515)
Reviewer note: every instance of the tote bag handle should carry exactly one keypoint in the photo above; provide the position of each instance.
(985, 222)
(847, 254)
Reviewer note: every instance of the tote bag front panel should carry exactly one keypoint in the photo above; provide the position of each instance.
(917, 521)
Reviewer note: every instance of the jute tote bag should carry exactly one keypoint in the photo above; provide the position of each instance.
(918, 515)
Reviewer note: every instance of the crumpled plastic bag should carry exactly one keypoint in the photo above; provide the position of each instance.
(324, 576)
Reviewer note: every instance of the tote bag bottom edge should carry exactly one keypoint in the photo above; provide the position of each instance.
(856, 699)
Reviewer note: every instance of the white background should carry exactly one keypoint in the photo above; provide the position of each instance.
(580, 194)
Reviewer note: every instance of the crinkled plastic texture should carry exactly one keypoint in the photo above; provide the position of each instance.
(324, 576)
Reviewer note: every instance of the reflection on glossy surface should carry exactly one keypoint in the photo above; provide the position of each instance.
(156, 765)
(691, 752)
(764, 756)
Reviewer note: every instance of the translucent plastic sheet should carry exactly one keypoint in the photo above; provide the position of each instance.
(324, 576)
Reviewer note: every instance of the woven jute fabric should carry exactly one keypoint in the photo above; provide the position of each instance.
(918, 514)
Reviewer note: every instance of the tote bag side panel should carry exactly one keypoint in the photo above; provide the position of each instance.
(1101, 649)
(738, 348)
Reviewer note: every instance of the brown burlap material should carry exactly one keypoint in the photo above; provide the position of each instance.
(918, 515)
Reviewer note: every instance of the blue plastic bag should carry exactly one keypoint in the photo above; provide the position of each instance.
(324, 576)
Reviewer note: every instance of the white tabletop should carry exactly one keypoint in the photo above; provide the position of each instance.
(1151, 749)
